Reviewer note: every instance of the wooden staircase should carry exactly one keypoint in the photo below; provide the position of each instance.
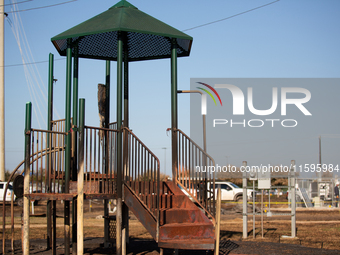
(182, 224)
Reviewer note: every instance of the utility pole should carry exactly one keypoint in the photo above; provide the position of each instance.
(320, 152)
(319, 174)
(2, 91)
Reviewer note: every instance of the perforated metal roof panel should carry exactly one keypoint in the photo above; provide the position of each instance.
(147, 37)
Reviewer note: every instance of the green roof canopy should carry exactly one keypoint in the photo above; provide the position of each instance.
(147, 37)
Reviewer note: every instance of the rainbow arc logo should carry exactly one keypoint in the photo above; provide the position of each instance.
(204, 100)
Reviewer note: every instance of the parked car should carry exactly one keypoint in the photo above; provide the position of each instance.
(8, 193)
(230, 191)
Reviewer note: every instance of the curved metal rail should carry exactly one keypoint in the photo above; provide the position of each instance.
(34, 158)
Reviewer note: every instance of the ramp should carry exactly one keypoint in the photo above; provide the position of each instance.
(305, 197)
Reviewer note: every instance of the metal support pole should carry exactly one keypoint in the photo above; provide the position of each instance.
(125, 228)
(278, 192)
(107, 121)
(119, 146)
(126, 82)
(293, 206)
(2, 92)
(174, 109)
(319, 174)
(125, 209)
(203, 115)
(12, 222)
(290, 189)
(68, 142)
(80, 182)
(218, 221)
(262, 213)
(205, 186)
(74, 147)
(26, 228)
(54, 223)
(75, 112)
(107, 86)
(254, 211)
(49, 127)
(245, 209)
(51, 205)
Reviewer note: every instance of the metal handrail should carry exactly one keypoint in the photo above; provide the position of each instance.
(141, 170)
(99, 161)
(113, 125)
(52, 142)
(59, 125)
(194, 175)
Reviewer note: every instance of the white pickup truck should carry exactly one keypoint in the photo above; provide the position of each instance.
(8, 193)
(229, 191)
(232, 192)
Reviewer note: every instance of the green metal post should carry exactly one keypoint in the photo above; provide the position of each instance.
(119, 146)
(174, 109)
(68, 145)
(106, 142)
(80, 183)
(75, 112)
(50, 93)
(74, 147)
(107, 84)
(49, 127)
(26, 228)
(126, 83)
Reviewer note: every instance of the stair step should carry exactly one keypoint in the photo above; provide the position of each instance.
(188, 244)
(182, 215)
(168, 201)
(178, 231)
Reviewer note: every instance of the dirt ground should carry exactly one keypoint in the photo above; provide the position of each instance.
(318, 231)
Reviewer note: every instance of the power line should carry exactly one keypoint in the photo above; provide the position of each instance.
(42, 7)
(206, 24)
(33, 63)
(235, 15)
(18, 2)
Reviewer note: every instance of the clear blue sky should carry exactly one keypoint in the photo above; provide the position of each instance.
(286, 39)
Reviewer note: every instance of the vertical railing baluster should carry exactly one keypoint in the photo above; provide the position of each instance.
(54, 163)
(98, 158)
(41, 162)
(90, 178)
(86, 158)
(112, 161)
(135, 165)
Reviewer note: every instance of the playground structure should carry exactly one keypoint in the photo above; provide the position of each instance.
(71, 161)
